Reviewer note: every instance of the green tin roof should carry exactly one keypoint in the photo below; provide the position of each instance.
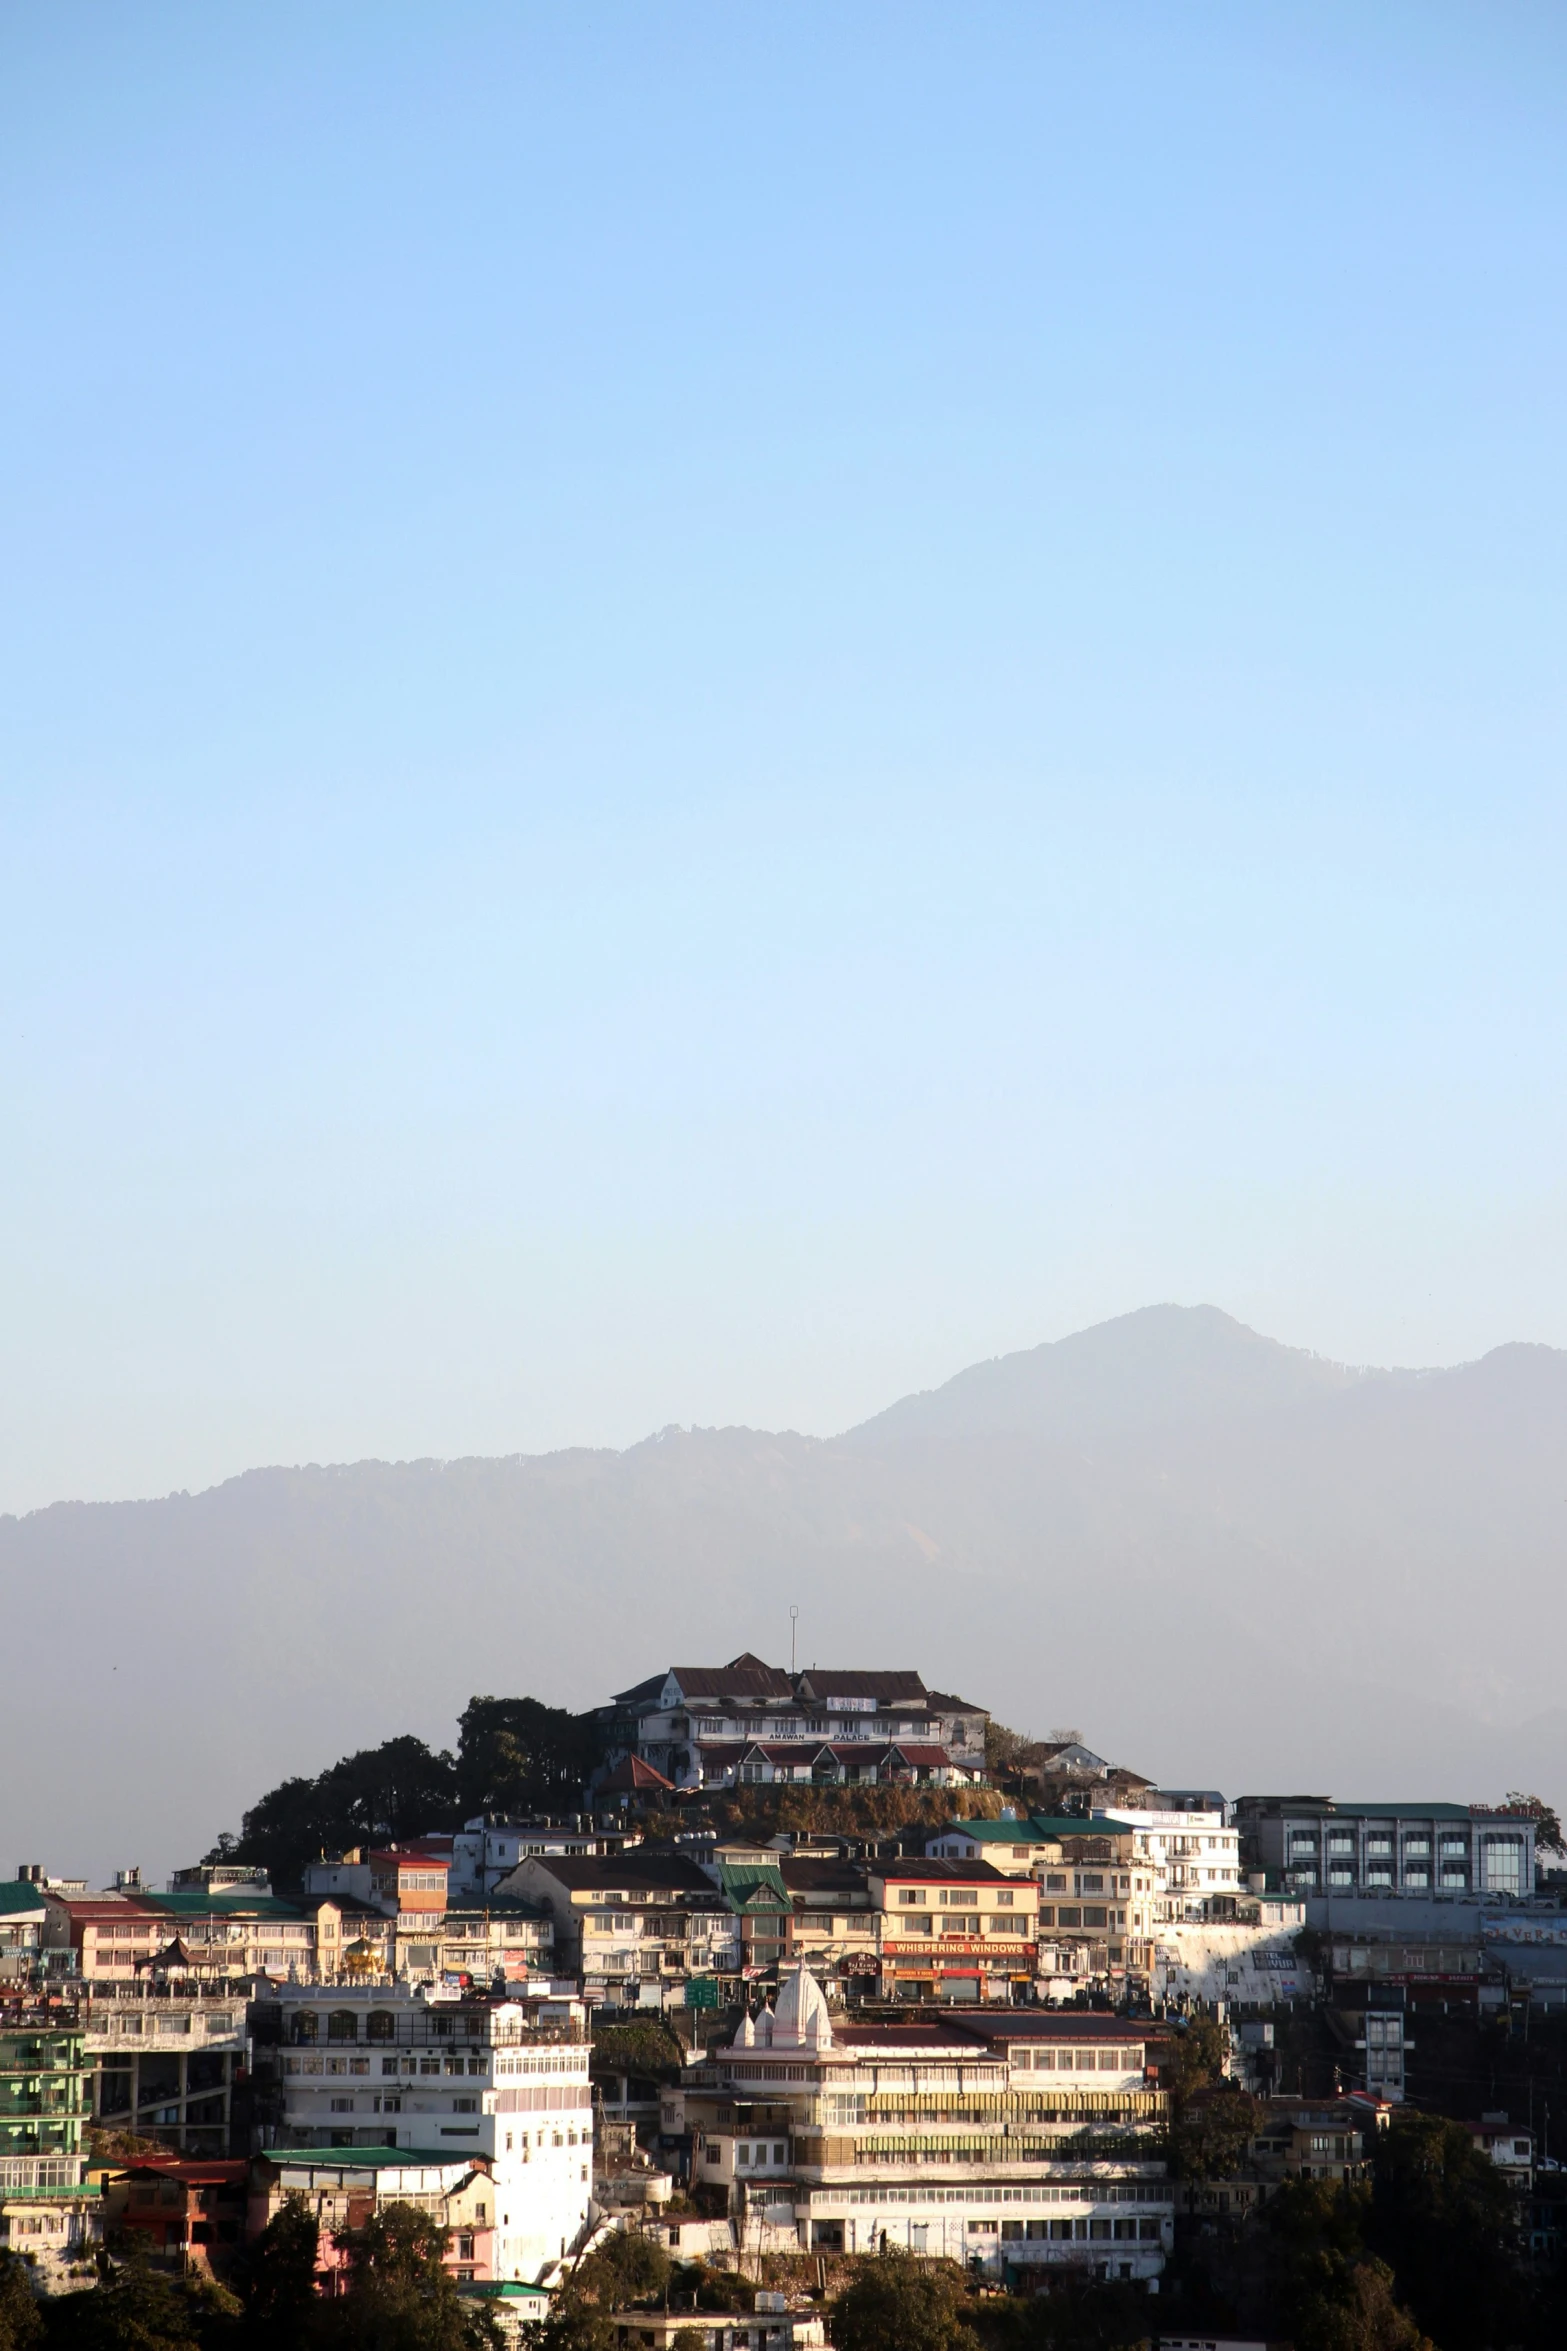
(232, 1902)
(507, 2290)
(754, 1885)
(79, 2188)
(996, 1832)
(368, 2158)
(17, 1897)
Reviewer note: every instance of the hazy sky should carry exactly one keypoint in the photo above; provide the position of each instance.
(703, 709)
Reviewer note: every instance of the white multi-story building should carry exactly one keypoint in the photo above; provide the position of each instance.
(1194, 1858)
(444, 2077)
(1011, 2140)
(489, 1847)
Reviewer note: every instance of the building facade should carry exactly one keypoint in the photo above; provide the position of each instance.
(1315, 1845)
(748, 1722)
(49, 2212)
(1021, 2142)
(448, 2078)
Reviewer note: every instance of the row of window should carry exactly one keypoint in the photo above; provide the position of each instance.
(420, 2065)
(956, 1897)
(395, 2105)
(1067, 2231)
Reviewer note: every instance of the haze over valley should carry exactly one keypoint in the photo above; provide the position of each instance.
(1228, 1562)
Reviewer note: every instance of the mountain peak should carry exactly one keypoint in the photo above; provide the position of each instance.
(1160, 1366)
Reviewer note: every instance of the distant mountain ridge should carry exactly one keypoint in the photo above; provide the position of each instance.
(1231, 1562)
(1162, 1366)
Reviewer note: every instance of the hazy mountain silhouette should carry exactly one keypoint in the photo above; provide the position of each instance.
(1230, 1562)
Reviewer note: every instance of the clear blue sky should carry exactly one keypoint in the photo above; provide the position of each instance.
(706, 708)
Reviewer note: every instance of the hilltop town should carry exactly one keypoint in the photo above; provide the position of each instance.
(763, 1975)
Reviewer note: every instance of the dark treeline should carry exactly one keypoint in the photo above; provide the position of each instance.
(513, 1755)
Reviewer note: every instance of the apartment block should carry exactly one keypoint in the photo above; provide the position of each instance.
(1319, 1845)
(444, 2079)
(1007, 2141)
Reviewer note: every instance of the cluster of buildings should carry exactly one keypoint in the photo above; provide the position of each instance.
(951, 2039)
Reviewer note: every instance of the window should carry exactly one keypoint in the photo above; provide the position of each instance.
(1502, 1864)
(1044, 2059)
(388, 2065)
(911, 1894)
(1069, 1918)
(380, 2025)
(1005, 1901)
(1090, 1881)
(342, 2025)
(342, 2106)
(1055, 1882)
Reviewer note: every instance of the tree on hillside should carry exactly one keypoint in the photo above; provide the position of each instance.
(21, 2327)
(626, 2268)
(398, 1790)
(519, 1755)
(133, 2309)
(899, 2303)
(1210, 2131)
(279, 2281)
(1446, 2220)
(1005, 1749)
(1078, 2316)
(646, 2046)
(623, 2271)
(400, 2294)
(1195, 2059)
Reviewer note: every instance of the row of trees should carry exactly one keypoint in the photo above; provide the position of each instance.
(398, 2296)
(513, 1755)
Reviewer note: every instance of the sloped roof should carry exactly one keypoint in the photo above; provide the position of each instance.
(888, 1689)
(1073, 1824)
(657, 1873)
(996, 1832)
(232, 1902)
(744, 1881)
(934, 1872)
(18, 1899)
(367, 2159)
(744, 1677)
(630, 1774)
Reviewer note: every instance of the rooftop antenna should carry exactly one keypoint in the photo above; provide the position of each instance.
(794, 1618)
